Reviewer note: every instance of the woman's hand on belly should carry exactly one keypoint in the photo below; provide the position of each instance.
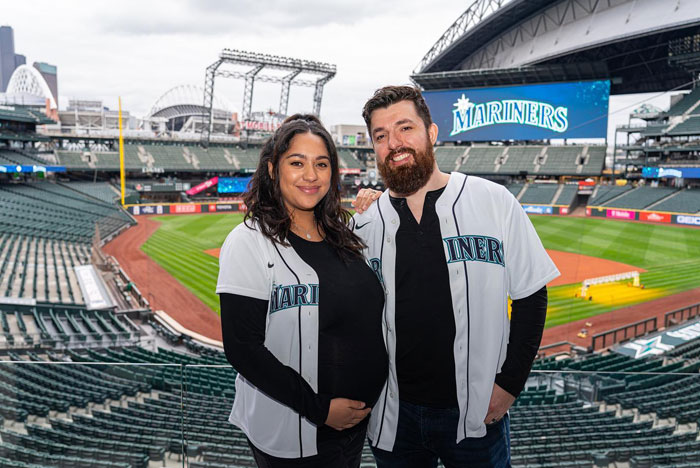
(344, 413)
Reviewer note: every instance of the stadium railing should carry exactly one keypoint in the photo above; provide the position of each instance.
(135, 406)
(627, 332)
(678, 316)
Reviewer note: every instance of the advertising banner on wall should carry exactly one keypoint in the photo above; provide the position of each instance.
(538, 209)
(654, 217)
(528, 112)
(621, 214)
(203, 186)
(190, 208)
(688, 219)
(673, 172)
(185, 209)
(15, 168)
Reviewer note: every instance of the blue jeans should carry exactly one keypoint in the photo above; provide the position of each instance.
(426, 434)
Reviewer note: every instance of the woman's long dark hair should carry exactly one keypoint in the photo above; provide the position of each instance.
(264, 197)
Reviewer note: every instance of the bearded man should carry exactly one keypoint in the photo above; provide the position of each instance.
(449, 250)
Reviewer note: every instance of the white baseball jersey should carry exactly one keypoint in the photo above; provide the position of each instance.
(492, 251)
(253, 266)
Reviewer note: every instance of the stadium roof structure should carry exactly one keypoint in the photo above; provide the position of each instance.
(184, 101)
(640, 45)
(26, 80)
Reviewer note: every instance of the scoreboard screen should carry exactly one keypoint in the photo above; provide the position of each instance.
(528, 112)
(233, 184)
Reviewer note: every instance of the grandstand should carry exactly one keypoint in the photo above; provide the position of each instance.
(640, 198)
(668, 139)
(681, 201)
(55, 211)
(101, 403)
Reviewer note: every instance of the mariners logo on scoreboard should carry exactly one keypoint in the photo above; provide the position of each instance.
(468, 115)
(293, 295)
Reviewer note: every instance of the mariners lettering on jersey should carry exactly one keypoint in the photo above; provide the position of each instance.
(474, 249)
(293, 295)
(376, 265)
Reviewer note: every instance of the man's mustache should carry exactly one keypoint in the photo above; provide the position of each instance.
(403, 149)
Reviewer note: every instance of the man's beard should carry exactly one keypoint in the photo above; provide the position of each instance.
(408, 178)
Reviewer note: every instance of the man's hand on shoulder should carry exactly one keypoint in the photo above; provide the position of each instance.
(500, 403)
(365, 198)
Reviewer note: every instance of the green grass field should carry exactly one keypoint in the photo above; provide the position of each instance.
(670, 254)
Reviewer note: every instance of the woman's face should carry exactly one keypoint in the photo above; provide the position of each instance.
(304, 172)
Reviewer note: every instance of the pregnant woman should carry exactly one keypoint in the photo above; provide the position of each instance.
(301, 310)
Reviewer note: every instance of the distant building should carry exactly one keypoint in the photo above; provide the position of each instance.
(49, 73)
(349, 135)
(8, 58)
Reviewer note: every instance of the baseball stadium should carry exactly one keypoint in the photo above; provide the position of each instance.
(111, 350)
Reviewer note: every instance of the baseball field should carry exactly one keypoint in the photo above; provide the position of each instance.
(667, 257)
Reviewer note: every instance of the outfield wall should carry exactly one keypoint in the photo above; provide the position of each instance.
(546, 209)
(643, 215)
(185, 208)
(238, 205)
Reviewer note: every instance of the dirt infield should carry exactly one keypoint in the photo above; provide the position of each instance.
(575, 268)
(162, 290)
(618, 318)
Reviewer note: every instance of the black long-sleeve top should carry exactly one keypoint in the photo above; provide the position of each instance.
(352, 361)
(527, 320)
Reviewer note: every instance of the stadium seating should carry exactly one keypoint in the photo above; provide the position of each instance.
(515, 189)
(481, 159)
(70, 326)
(604, 193)
(56, 212)
(595, 161)
(682, 106)
(561, 160)
(640, 197)
(102, 191)
(689, 126)
(539, 194)
(520, 158)
(17, 157)
(449, 157)
(347, 160)
(567, 195)
(137, 414)
(40, 268)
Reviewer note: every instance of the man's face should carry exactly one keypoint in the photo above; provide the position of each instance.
(403, 146)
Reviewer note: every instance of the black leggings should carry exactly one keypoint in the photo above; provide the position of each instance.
(338, 452)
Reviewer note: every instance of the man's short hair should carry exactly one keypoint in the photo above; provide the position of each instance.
(388, 95)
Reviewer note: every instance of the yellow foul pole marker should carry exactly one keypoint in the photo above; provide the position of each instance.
(121, 150)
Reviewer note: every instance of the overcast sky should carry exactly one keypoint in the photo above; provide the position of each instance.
(140, 49)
